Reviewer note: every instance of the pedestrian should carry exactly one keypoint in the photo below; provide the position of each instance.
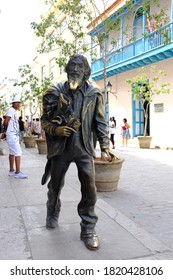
(70, 123)
(125, 132)
(28, 125)
(11, 126)
(21, 129)
(3, 122)
(37, 130)
(112, 131)
(32, 124)
(2, 131)
(114, 120)
(1, 126)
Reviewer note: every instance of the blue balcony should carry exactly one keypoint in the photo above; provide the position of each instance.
(152, 48)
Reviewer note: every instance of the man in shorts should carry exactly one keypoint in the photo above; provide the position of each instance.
(12, 136)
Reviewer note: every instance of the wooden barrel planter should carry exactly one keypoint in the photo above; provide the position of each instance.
(29, 141)
(3, 151)
(107, 174)
(144, 142)
(42, 146)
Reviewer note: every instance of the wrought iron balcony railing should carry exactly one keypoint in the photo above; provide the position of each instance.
(149, 42)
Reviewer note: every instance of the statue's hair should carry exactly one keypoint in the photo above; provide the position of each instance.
(85, 62)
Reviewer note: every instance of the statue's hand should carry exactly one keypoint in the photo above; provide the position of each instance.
(105, 151)
(65, 131)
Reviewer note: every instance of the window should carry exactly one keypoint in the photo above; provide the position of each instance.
(52, 68)
(62, 70)
(43, 72)
(63, 26)
(138, 24)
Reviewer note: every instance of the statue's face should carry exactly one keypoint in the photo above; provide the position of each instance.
(76, 73)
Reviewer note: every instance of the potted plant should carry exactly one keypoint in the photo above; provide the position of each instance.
(107, 173)
(145, 88)
(42, 144)
(29, 139)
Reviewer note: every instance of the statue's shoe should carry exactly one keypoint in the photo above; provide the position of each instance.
(51, 222)
(90, 240)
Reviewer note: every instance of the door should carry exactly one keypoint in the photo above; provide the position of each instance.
(138, 27)
(137, 118)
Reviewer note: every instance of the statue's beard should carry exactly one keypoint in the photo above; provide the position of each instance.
(75, 81)
(73, 84)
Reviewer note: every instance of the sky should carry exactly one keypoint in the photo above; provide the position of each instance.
(17, 41)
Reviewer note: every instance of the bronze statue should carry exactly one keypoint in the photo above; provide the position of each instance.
(72, 119)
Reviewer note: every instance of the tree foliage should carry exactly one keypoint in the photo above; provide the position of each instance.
(51, 29)
(32, 88)
(3, 106)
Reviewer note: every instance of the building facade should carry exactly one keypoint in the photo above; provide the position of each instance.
(142, 40)
(139, 42)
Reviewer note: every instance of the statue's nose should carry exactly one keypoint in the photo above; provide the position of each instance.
(76, 67)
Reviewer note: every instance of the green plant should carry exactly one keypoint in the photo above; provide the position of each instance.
(3, 106)
(32, 88)
(145, 87)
